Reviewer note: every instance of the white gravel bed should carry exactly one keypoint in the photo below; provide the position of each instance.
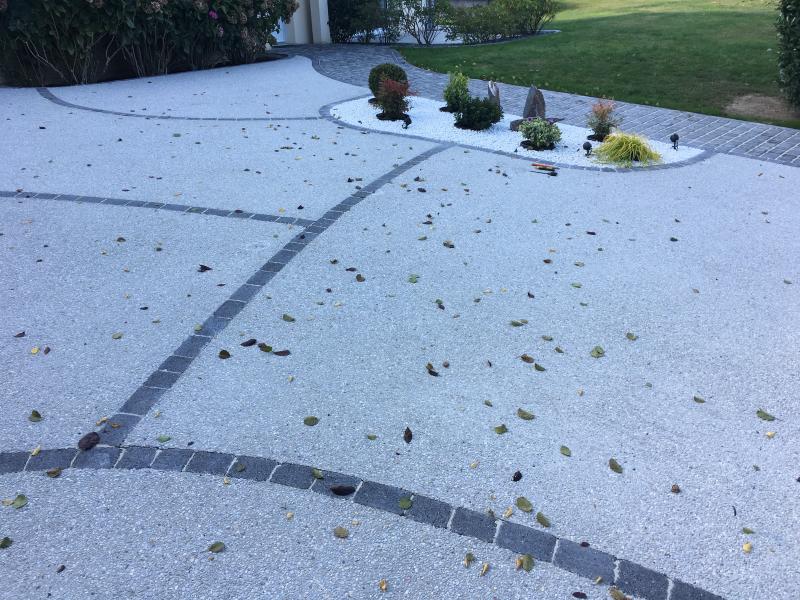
(428, 121)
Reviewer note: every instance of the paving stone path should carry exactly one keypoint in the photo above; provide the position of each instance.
(351, 63)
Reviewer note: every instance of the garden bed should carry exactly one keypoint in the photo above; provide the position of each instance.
(429, 122)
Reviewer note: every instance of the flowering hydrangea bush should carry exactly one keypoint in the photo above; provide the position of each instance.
(77, 41)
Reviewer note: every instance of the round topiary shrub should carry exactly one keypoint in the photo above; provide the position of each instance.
(478, 114)
(539, 134)
(385, 71)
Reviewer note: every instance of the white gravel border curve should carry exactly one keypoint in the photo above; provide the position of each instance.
(429, 122)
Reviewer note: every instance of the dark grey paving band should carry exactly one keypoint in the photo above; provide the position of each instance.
(161, 380)
(578, 558)
(325, 113)
(48, 95)
(181, 208)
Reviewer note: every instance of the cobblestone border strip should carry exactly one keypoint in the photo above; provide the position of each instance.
(163, 378)
(326, 114)
(578, 558)
(48, 95)
(180, 208)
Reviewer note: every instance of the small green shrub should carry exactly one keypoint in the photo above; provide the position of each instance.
(423, 19)
(474, 24)
(788, 26)
(540, 134)
(457, 91)
(625, 149)
(385, 71)
(602, 119)
(478, 114)
(392, 99)
(500, 19)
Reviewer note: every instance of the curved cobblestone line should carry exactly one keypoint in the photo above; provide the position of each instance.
(579, 558)
(350, 63)
(48, 95)
(180, 208)
(326, 114)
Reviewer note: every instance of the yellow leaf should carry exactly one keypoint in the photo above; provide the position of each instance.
(100, 421)
(484, 569)
(770, 434)
(35, 350)
(383, 585)
(36, 450)
(474, 465)
(509, 511)
(747, 547)
(289, 516)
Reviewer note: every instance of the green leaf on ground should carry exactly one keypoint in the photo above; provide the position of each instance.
(527, 358)
(524, 504)
(566, 451)
(542, 520)
(317, 474)
(747, 531)
(699, 399)
(20, 501)
(372, 437)
(469, 558)
(216, 547)
(525, 415)
(614, 465)
(525, 562)
(538, 367)
(501, 429)
(6, 543)
(519, 322)
(413, 278)
(632, 336)
(341, 532)
(310, 421)
(576, 285)
(35, 416)
(223, 354)
(405, 503)
(288, 318)
(547, 338)
(597, 352)
(116, 336)
(53, 473)
(264, 347)
(764, 415)
(162, 439)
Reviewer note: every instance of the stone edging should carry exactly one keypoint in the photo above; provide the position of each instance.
(578, 558)
(325, 113)
(163, 378)
(48, 95)
(180, 208)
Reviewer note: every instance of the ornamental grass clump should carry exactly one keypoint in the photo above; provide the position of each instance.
(539, 134)
(392, 99)
(625, 149)
(456, 94)
(602, 120)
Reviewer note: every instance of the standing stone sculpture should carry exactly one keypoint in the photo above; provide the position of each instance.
(534, 107)
(494, 93)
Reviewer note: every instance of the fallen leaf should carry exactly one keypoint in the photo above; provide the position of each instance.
(542, 520)
(501, 429)
(20, 501)
(519, 322)
(675, 489)
(224, 354)
(508, 512)
(469, 558)
(216, 547)
(747, 547)
(383, 585)
(566, 451)
(35, 416)
(372, 437)
(163, 439)
(579, 595)
(405, 503)
(288, 318)
(526, 358)
(20, 334)
(597, 352)
(203, 268)
(341, 533)
(116, 336)
(407, 435)
(524, 504)
(614, 465)
(524, 562)
(699, 399)
(248, 343)
(360, 278)
(36, 451)
(764, 415)
(53, 473)
(265, 348)
(747, 531)
(632, 336)
(281, 353)
(616, 594)
(6, 543)
(538, 367)
(516, 476)
(413, 278)
(89, 441)
(525, 415)
(310, 421)
(484, 569)
(317, 474)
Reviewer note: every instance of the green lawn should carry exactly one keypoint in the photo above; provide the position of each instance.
(695, 55)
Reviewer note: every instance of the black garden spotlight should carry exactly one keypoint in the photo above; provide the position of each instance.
(588, 147)
(674, 139)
